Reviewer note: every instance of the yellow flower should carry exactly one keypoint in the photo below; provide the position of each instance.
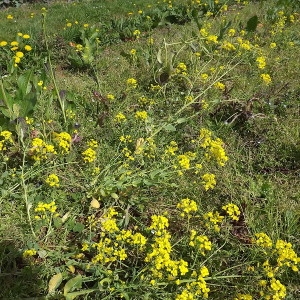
(131, 83)
(27, 48)
(263, 240)
(220, 86)
(212, 39)
(136, 33)
(14, 43)
(19, 54)
(141, 115)
(232, 210)
(52, 180)
(266, 78)
(17, 59)
(120, 117)
(3, 43)
(133, 52)
(9, 17)
(231, 32)
(26, 36)
(89, 155)
(209, 181)
(110, 97)
(187, 206)
(29, 252)
(261, 62)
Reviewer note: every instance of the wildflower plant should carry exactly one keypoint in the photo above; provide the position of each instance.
(136, 189)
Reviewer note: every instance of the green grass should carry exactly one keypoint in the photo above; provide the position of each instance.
(257, 122)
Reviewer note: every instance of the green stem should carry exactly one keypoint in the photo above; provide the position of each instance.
(52, 75)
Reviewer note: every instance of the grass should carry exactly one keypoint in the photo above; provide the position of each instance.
(104, 182)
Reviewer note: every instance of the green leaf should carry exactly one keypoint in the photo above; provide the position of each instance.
(169, 127)
(73, 284)
(158, 57)
(181, 120)
(24, 82)
(16, 111)
(27, 104)
(78, 227)
(5, 112)
(252, 23)
(54, 283)
(71, 296)
(114, 196)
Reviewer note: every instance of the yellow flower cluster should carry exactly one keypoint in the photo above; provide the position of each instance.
(217, 151)
(187, 206)
(120, 117)
(29, 252)
(184, 161)
(212, 220)
(209, 181)
(44, 208)
(212, 39)
(63, 142)
(5, 139)
(232, 210)
(52, 180)
(40, 150)
(243, 297)
(141, 115)
(17, 46)
(266, 78)
(214, 147)
(143, 100)
(261, 62)
(220, 86)
(196, 288)
(108, 251)
(131, 83)
(136, 33)
(171, 149)
(201, 242)
(273, 289)
(108, 222)
(160, 253)
(181, 69)
(263, 240)
(244, 44)
(228, 46)
(110, 247)
(286, 255)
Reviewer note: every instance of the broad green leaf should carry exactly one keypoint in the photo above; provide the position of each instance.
(27, 104)
(114, 196)
(78, 227)
(5, 112)
(181, 120)
(252, 23)
(54, 283)
(16, 111)
(73, 284)
(169, 127)
(24, 82)
(71, 296)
